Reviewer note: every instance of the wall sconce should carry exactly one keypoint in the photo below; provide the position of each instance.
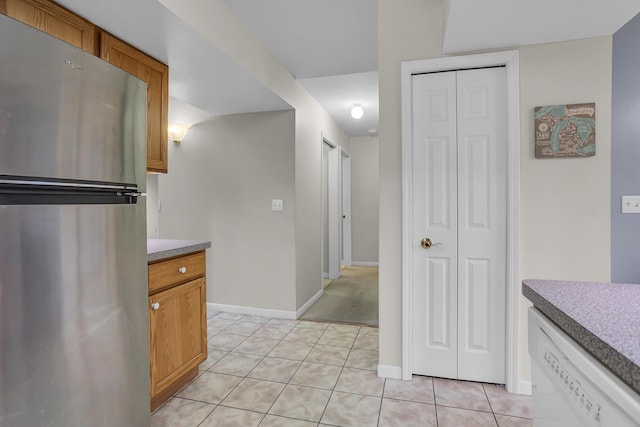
(357, 112)
(177, 131)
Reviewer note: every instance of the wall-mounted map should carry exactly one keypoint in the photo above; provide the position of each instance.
(565, 130)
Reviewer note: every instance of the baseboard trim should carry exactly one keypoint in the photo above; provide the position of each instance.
(388, 371)
(254, 311)
(365, 264)
(309, 303)
(524, 387)
(325, 275)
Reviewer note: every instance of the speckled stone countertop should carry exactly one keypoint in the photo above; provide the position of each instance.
(158, 249)
(604, 318)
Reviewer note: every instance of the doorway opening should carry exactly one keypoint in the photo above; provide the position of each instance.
(331, 185)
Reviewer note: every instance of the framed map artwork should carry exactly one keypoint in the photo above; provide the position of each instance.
(565, 130)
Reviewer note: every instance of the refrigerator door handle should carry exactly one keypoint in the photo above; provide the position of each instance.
(21, 182)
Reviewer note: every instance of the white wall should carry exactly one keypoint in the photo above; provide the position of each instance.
(564, 202)
(222, 179)
(364, 199)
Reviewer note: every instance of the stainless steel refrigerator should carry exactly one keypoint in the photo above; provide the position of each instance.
(74, 344)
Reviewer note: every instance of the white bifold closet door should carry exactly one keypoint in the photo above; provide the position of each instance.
(459, 202)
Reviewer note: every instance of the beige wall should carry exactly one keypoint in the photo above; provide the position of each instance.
(222, 179)
(564, 202)
(412, 30)
(364, 199)
(217, 24)
(311, 122)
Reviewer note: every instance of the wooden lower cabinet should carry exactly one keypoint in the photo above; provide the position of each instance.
(177, 332)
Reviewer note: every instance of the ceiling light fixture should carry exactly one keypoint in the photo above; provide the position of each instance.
(357, 112)
(177, 131)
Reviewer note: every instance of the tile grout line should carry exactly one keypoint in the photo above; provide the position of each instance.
(208, 415)
(243, 377)
(435, 402)
(288, 381)
(490, 405)
(384, 386)
(314, 346)
(334, 386)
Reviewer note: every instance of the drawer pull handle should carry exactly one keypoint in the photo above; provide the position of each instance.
(155, 305)
(182, 270)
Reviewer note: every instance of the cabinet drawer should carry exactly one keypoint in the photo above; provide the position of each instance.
(164, 274)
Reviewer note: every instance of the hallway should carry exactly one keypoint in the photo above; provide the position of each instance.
(353, 298)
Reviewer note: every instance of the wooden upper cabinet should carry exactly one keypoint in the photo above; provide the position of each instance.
(156, 75)
(59, 22)
(54, 20)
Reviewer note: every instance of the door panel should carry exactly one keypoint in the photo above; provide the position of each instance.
(459, 202)
(438, 302)
(73, 319)
(437, 159)
(477, 300)
(434, 216)
(482, 208)
(179, 309)
(67, 114)
(477, 171)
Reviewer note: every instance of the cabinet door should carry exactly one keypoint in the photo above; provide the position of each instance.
(55, 20)
(178, 332)
(156, 75)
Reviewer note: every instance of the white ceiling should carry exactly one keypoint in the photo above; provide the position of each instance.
(490, 24)
(198, 72)
(337, 94)
(315, 38)
(331, 45)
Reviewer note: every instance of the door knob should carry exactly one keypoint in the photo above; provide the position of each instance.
(155, 306)
(427, 243)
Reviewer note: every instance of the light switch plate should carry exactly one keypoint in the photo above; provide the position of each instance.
(277, 205)
(630, 204)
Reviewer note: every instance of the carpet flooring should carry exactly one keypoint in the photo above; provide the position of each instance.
(353, 298)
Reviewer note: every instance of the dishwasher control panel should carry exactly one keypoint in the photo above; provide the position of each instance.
(572, 387)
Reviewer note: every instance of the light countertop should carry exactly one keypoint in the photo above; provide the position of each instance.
(159, 249)
(604, 318)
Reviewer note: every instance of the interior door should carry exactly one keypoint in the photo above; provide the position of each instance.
(459, 203)
(435, 205)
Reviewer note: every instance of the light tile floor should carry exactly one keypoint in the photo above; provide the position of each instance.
(274, 372)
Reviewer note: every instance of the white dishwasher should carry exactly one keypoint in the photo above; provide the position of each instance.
(570, 387)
